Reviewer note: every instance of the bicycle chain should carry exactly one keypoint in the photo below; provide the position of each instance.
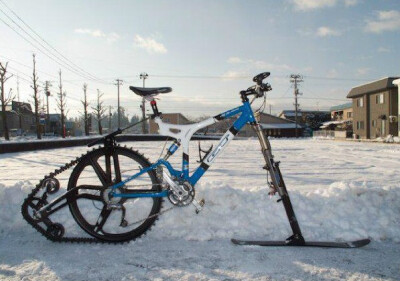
(28, 202)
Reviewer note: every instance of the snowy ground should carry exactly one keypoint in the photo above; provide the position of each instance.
(338, 189)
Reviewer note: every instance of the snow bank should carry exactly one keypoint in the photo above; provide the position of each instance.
(344, 210)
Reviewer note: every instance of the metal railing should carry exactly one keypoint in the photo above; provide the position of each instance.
(324, 134)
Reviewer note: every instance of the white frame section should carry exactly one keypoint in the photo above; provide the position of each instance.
(183, 133)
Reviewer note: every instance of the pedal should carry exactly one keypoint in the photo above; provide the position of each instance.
(199, 205)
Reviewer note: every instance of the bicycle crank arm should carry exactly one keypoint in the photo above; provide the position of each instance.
(198, 205)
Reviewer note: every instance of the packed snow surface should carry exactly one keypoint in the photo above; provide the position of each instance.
(339, 190)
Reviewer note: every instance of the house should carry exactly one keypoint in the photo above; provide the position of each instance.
(375, 109)
(275, 127)
(19, 117)
(54, 124)
(342, 112)
(341, 121)
(307, 118)
(397, 83)
(172, 118)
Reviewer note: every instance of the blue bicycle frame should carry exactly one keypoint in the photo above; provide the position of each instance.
(246, 117)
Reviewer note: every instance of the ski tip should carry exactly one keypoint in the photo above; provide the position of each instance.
(237, 242)
(359, 243)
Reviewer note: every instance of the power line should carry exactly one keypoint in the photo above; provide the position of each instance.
(337, 78)
(25, 65)
(49, 53)
(48, 44)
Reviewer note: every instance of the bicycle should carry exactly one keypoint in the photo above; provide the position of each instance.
(92, 205)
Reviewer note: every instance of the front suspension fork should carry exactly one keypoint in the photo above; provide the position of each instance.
(279, 185)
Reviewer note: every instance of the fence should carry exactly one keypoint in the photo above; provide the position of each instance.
(330, 134)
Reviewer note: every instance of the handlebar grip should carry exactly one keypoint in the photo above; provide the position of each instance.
(260, 77)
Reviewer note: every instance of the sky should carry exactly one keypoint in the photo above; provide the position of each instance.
(207, 51)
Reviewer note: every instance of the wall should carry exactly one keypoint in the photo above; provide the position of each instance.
(377, 110)
(360, 114)
(397, 82)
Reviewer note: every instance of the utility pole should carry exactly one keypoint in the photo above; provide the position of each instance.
(19, 107)
(270, 109)
(143, 76)
(18, 89)
(119, 83)
(35, 96)
(47, 85)
(85, 111)
(109, 119)
(296, 78)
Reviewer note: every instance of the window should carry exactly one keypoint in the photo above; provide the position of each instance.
(379, 98)
(360, 102)
(360, 125)
(349, 114)
(373, 123)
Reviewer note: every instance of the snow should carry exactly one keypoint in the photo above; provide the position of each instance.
(339, 190)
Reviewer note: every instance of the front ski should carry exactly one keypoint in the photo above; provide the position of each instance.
(348, 244)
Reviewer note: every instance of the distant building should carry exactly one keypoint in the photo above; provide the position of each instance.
(71, 128)
(397, 83)
(307, 118)
(275, 127)
(54, 124)
(19, 117)
(375, 109)
(172, 118)
(342, 112)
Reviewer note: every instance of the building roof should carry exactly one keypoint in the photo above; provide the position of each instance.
(23, 107)
(342, 106)
(275, 122)
(326, 124)
(372, 87)
(280, 126)
(291, 113)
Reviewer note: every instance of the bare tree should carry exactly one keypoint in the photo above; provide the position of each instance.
(36, 100)
(61, 104)
(85, 104)
(5, 100)
(99, 111)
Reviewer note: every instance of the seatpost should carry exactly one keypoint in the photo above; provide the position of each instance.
(153, 104)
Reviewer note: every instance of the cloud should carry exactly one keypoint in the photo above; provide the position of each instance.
(383, 50)
(308, 5)
(97, 33)
(305, 5)
(386, 21)
(304, 32)
(363, 71)
(258, 64)
(230, 75)
(332, 73)
(235, 60)
(325, 31)
(150, 45)
(349, 3)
